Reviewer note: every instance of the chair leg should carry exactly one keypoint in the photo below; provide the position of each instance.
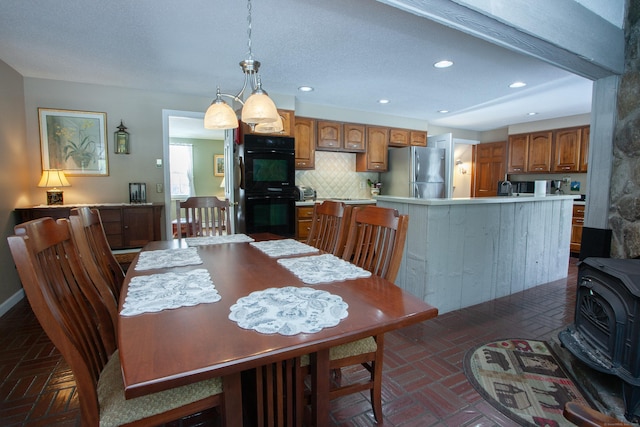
(376, 390)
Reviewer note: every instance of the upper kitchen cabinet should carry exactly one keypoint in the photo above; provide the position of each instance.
(329, 136)
(418, 138)
(584, 149)
(287, 117)
(376, 157)
(540, 151)
(566, 151)
(305, 142)
(354, 138)
(518, 153)
(399, 137)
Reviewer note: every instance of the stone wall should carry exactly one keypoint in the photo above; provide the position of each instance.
(624, 216)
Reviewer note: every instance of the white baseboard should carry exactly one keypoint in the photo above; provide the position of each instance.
(11, 301)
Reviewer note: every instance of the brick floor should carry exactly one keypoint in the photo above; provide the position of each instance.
(424, 384)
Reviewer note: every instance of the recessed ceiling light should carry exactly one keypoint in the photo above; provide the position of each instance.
(383, 101)
(443, 64)
(531, 114)
(305, 89)
(443, 111)
(517, 84)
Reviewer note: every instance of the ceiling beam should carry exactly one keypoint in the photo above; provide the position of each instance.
(560, 32)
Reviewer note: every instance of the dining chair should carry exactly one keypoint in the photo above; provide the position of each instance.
(375, 242)
(73, 315)
(91, 241)
(202, 216)
(329, 226)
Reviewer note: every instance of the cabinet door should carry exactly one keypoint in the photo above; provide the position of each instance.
(418, 138)
(354, 138)
(112, 223)
(577, 224)
(305, 143)
(490, 167)
(376, 157)
(584, 149)
(540, 152)
(398, 138)
(304, 215)
(518, 153)
(329, 136)
(566, 153)
(137, 226)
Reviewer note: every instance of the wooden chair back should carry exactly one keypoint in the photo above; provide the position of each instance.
(86, 222)
(65, 303)
(329, 226)
(376, 239)
(203, 216)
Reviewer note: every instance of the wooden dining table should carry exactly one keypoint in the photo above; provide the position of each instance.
(169, 348)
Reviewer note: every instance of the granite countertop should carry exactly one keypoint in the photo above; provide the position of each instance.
(477, 200)
(337, 199)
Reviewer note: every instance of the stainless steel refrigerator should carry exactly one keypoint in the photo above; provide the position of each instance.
(418, 172)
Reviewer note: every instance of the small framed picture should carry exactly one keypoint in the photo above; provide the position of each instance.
(74, 141)
(218, 165)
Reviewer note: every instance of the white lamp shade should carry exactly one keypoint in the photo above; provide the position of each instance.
(53, 178)
(259, 108)
(220, 115)
(273, 127)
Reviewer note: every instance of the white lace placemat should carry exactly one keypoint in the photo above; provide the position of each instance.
(165, 258)
(289, 310)
(283, 247)
(217, 240)
(322, 269)
(157, 292)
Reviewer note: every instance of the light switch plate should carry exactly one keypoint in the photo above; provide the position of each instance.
(158, 188)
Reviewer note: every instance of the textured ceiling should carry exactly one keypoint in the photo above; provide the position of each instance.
(352, 52)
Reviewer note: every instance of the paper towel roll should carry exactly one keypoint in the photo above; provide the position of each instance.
(540, 189)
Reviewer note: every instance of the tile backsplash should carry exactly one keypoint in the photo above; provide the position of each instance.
(335, 176)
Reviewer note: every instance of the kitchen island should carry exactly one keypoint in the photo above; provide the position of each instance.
(461, 252)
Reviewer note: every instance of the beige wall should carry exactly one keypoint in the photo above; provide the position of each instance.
(14, 176)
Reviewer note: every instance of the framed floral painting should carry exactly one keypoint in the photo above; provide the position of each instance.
(218, 165)
(74, 141)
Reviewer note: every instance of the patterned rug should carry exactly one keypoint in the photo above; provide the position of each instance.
(524, 380)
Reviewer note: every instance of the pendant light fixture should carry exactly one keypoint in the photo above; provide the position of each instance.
(258, 108)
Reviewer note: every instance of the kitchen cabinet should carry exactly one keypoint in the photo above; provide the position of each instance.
(329, 136)
(577, 222)
(517, 160)
(566, 152)
(418, 138)
(304, 215)
(354, 138)
(584, 149)
(126, 226)
(489, 168)
(288, 120)
(399, 137)
(376, 157)
(540, 151)
(305, 143)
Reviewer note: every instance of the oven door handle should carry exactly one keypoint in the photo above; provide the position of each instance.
(271, 196)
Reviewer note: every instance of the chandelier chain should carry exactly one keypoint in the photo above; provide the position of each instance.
(249, 28)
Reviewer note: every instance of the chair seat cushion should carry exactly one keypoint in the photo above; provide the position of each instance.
(115, 410)
(365, 345)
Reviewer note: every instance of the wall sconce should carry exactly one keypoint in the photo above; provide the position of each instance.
(53, 178)
(121, 139)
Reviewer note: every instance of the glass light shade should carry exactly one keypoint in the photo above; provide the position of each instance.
(273, 127)
(220, 115)
(259, 108)
(53, 178)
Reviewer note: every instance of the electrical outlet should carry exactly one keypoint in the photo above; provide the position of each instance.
(158, 188)
(158, 163)
(362, 185)
(566, 179)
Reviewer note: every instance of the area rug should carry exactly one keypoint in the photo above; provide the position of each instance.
(524, 380)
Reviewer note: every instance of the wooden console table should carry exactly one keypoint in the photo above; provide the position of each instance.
(126, 225)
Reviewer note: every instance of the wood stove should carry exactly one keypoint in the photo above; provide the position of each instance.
(606, 332)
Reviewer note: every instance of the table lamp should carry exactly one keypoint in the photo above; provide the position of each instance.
(53, 178)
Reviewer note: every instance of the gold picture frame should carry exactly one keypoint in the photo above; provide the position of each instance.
(218, 165)
(74, 141)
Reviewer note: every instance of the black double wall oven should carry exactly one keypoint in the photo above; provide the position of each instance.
(267, 198)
